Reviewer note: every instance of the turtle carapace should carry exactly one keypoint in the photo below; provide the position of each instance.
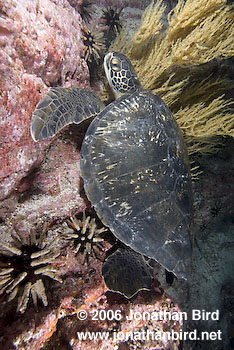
(133, 162)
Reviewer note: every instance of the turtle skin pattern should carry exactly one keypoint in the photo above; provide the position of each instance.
(135, 171)
(61, 107)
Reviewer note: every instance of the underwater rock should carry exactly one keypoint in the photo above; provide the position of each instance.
(55, 191)
(210, 286)
(40, 47)
(212, 274)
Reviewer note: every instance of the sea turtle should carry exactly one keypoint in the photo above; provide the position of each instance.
(133, 162)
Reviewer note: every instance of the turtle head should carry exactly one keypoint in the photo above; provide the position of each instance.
(120, 73)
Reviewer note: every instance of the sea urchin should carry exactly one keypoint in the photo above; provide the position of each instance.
(94, 44)
(84, 9)
(24, 266)
(86, 234)
(111, 19)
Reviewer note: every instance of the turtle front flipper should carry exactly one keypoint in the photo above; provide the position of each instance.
(60, 107)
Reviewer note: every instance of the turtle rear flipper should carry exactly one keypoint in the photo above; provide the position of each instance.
(60, 107)
(127, 272)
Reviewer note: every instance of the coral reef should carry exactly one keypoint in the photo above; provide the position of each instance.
(83, 289)
(185, 60)
(53, 190)
(40, 47)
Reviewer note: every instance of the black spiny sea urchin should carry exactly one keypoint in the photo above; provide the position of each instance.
(84, 9)
(86, 234)
(24, 266)
(111, 19)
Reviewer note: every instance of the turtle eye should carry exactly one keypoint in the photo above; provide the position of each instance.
(115, 64)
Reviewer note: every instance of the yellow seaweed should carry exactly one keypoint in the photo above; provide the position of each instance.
(176, 57)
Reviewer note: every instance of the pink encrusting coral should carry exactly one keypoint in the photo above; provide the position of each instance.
(54, 187)
(40, 47)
